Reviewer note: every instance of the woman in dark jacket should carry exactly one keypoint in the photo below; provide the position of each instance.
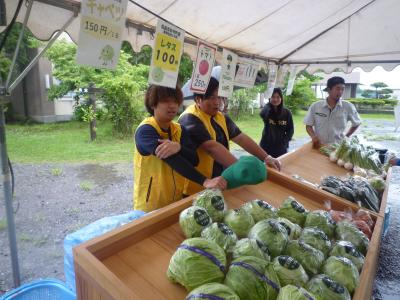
(278, 125)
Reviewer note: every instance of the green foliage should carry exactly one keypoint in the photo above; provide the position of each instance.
(368, 93)
(185, 69)
(302, 94)
(381, 91)
(241, 100)
(374, 102)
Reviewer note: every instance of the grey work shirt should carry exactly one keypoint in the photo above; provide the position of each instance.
(329, 124)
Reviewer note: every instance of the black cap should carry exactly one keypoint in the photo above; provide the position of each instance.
(333, 81)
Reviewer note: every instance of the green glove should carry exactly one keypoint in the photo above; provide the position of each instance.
(247, 170)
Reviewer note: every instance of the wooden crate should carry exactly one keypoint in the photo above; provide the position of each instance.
(131, 262)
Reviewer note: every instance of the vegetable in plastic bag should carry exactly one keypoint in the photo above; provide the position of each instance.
(316, 238)
(289, 271)
(195, 262)
(347, 249)
(291, 292)
(322, 220)
(239, 220)
(221, 234)
(342, 270)
(213, 202)
(325, 288)
(310, 258)
(251, 247)
(293, 230)
(260, 210)
(252, 278)
(213, 291)
(346, 231)
(293, 211)
(193, 220)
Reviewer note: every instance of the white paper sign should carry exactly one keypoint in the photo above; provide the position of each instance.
(272, 73)
(292, 77)
(202, 70)
(102, 22)
(166, 56)
(282, 72)
(227, 77)
(247, 72)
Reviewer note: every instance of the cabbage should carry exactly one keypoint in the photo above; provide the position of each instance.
(316, 238)
(213, 202)
(193, 220)
(293, 211)
(212, 291)
(347, 249)
(252, 278)
(250, 247)
(273, 234)
(322, 220)
(239, 220)
(342, 270)
(293, 230)
(195, 262)
(291, 292)
(260, 210)
(310, 258)
(289, 271)
(220, 234)
(325, 288)
(347, 231)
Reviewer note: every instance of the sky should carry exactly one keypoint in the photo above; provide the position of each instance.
(378, 74)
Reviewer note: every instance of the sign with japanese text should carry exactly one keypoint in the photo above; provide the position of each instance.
(227, 77)
(247, 72)
(166, 56)
(102, 22)
(202, 70)
(272, 73)
(292, 77)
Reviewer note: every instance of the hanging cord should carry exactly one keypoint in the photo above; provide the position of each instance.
(12, 184)
(8, 29)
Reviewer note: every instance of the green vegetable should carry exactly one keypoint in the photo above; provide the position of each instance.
(316, 238)
(377, 183)
(208, 290)
(272, 233)
(322, 220)
(325, 288)
(251, 247)
(346, 231)
(293, 230)
(342, 270)
(193, 220)
(260, 210)
(293, 211)
(310, 258)
(347, 249)
(213, 202)
(289, 271)
(291, 292)
(220, 234)
(252, 278)
(239, 220)
(197, 261)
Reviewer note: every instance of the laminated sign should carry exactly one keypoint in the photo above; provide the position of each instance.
(204, 64)
(247, 72)
(166, 57)
(100, 35)
(272, 73)
(227, 77)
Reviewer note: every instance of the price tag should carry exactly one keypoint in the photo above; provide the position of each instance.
(167, 52)
(204, 64)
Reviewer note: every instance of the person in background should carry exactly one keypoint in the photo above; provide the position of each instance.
(278, 125)
(326, 120)
(164, 154)
(395, 161)
(210, 131)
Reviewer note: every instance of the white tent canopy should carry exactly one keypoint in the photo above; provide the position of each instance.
(319, 34)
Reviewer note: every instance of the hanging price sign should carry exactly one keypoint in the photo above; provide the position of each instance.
(204, 64)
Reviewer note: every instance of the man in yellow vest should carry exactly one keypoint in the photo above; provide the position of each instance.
(163, 155)
(210, 132)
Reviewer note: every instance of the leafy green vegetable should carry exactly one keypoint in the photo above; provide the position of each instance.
(310, 258)
(293, 230)
(346, 231)
(221, 234)
(193, 220)
(208, 290)
(293, 211)
(260, 210)
(322, 220)
(289, 271)
(342, 270)
(239, 220)
(251, 247)
(316, 238)
(213, 202)
(325, 288)
(347, 249)
(291, 292)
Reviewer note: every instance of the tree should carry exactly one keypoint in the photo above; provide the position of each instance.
(380, 85)
(302, 94)
(367, 93)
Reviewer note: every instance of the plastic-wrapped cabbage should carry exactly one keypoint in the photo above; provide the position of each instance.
(346, 231)
(195, 262)
(272, 233)
(291, 292)
(239, 220)
(260, 210)
(322, 220)
(251, 247)
(342, 270)
(293, 211)
(213, 202)
(347, 249)
(252, 278)
(310, 258)
(213, 291)
(294, 230)
(289, 271)
(221, 234)
(316, 238)
(325, 288)
(193, 220)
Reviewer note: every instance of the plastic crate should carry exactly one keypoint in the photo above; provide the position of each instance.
(45, 289)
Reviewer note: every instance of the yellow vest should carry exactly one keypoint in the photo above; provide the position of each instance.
(206, 162)
(156, 183)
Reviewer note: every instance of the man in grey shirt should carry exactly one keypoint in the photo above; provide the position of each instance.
(326, 120)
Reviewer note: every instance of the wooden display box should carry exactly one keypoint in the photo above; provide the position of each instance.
(131, 262)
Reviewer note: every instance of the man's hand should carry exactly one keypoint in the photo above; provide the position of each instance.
(273, 162)
(167, 148)
(316, 142)
(216, 183)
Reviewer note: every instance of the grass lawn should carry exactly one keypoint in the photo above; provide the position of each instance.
(70, 142)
